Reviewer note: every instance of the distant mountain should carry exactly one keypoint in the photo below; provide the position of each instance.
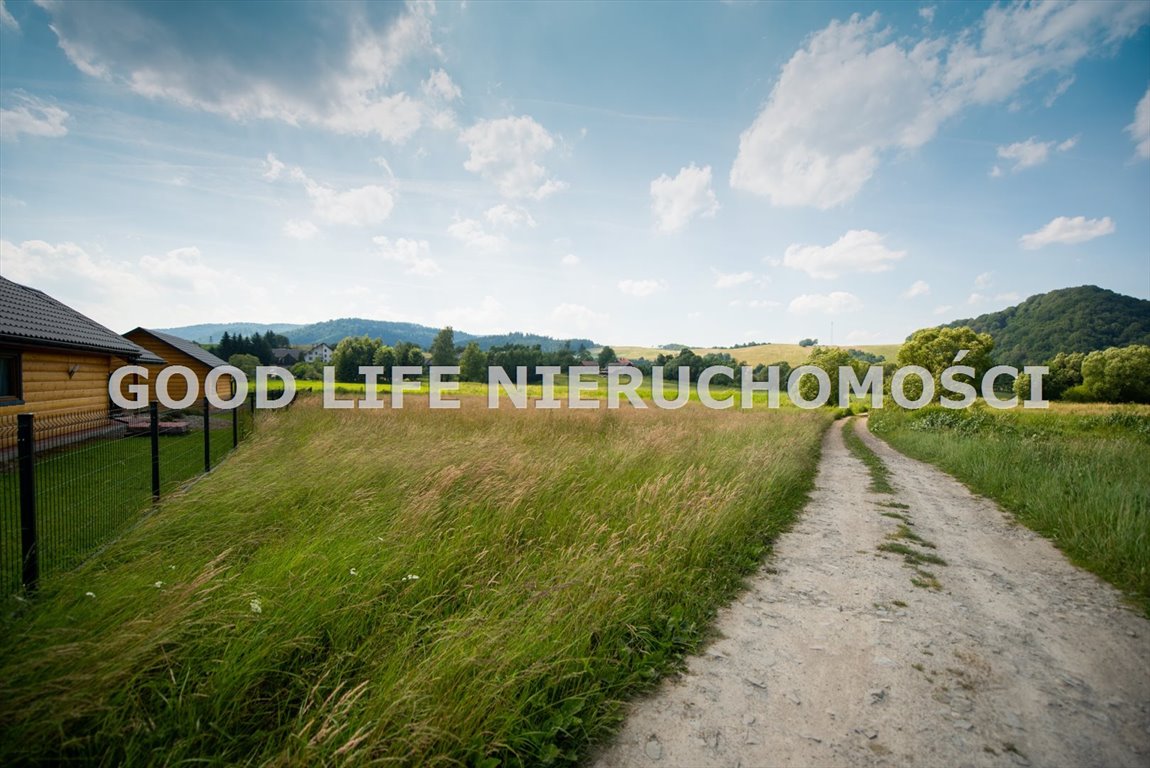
(1079, 319)
(331, 331)
(210, 333)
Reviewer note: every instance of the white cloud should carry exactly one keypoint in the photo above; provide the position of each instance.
(641, 288)
(942, 309)
(570, 260)
(339, 76)
(300, 229)
(7, 19)
(413, 255)
(1062, 87)
(507, 152)
(1139, 130)
(918, 288)
(438, 85)
(833, 303)
(273, 168)
(855, 92)
(725, 280)
(984, 280)
(1068, 230)
(471, 233)
(975, 298)
(485, 318)
(927, 13)
(181, 285)
(31, 116)
(674, 202)
(358, 206)
(1029, 153)
(510, 216)
(859, 250)
(569, 319)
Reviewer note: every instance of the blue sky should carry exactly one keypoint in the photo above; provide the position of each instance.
(637, 173)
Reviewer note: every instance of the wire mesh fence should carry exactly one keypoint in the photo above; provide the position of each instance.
(70, 483)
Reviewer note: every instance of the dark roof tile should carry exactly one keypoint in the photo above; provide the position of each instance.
(189, 348)
(29, 316)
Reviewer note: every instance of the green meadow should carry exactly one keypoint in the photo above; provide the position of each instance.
(410, 587)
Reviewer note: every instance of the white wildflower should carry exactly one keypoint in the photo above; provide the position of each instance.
(353, 572)
(410, 577)
(89, 594)
(255, 605)
(158, 585)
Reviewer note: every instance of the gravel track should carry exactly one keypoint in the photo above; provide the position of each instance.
(833, 657)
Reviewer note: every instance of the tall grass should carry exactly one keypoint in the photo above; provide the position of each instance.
(407, 587)
(1080, 476)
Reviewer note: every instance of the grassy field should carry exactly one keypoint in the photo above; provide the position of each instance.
(406, 587)
(762, 353)
(90, 491)
(1079, 475)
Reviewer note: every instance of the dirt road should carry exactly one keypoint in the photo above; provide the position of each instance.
(834, 657)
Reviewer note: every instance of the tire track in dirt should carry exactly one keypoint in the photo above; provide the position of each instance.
(833, 657)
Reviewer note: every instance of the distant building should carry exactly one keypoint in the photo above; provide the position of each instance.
(320, 353)
(286, 356)
(177, 351)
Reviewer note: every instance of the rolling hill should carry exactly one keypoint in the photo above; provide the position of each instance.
(760, 353)
(331, 331)
(1080, 319)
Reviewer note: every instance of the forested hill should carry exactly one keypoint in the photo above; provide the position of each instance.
(1079, 319)
(391, 333)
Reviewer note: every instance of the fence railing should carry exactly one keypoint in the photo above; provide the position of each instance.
(70, 483)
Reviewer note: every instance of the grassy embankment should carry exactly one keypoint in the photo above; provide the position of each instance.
(411, 587)
(1079, 475)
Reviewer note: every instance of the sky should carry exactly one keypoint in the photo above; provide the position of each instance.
(636, 173)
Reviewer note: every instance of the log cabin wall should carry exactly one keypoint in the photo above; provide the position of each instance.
(55, 381)
(177, 386)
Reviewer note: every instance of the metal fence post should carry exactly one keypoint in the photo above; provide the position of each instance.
(154, 431)
(207, 437)
(26, 453)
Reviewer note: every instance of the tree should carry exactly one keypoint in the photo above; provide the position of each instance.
(305, 371)
(350, 354)
(762, 371)
(246, 363)
(443, 348)
(808, 342)
(1065, 372)
(473, 363)
(1118, 374)
(606, 357)
(384, 357)
(935, 349)
(828, 359)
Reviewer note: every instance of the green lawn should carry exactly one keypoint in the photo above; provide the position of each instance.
(1078, 475)
(89, 492)
(409, 587)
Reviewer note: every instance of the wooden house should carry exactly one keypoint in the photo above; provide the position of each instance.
(54, 360)
(176, 351)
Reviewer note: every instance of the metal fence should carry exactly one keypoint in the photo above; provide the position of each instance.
(70, 483)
